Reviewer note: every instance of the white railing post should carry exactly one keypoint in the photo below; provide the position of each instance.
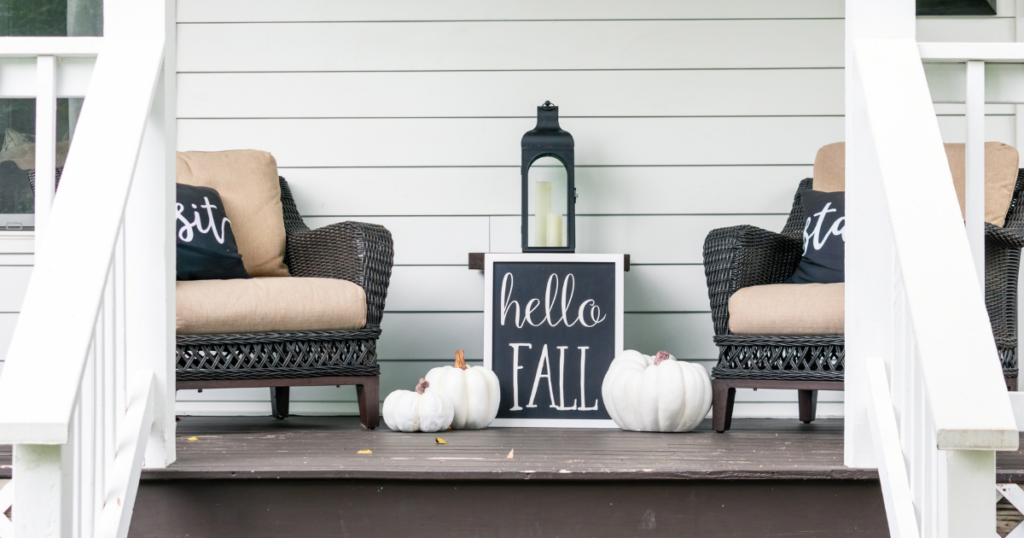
(867, 238)
(968, 504)
(149, 285)
(974, 183)
(1018, 108)
(42, 498)
(149, 230)
(46, 140)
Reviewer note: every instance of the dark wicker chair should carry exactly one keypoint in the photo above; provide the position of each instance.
(741, 256)
(353, 251)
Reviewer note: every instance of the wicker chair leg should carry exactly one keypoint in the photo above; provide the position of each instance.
(723, 398)
(279, 397)
(368, 394)
(808, 405)
(1011, 384)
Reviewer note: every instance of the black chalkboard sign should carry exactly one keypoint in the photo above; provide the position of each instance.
(553, 325)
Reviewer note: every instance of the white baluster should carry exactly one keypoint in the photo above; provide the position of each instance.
(87, 442)
(110, 389)
(120, 365)
(75, 471)
(974, 188)
(46, 141)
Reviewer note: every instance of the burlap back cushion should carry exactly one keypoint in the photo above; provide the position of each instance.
(248, 185)
(1001, 164)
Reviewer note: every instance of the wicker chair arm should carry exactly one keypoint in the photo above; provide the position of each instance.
(742, 256)
(354, 251)
(1009, 237)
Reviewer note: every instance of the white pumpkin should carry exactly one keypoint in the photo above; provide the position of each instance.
(473, 392)
(422, 410)
(657, 394)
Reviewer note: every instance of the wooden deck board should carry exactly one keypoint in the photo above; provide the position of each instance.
(326, 447)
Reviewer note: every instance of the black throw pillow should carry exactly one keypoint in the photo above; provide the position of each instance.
(206, 245)
(824, 245)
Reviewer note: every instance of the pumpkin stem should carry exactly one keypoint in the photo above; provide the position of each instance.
(422, 386)
(661, 356)
(460, 360)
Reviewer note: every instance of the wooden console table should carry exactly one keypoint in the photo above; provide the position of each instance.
(476, 260)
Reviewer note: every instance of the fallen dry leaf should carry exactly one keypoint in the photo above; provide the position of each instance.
(440, 441)
(193, 438)
(365, 452)
(510, 454)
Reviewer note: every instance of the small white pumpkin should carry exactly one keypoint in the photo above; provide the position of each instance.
(422, 410)
(473, 392)
(656, 394)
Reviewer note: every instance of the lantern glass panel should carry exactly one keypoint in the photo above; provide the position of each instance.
(548, 203)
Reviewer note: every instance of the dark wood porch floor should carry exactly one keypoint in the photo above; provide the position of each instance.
(327, 447)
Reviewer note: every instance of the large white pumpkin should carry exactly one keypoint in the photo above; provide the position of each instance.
(422, 410)
(656, 394)
(473, 392)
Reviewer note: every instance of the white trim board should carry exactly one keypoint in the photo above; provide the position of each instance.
(474, 10)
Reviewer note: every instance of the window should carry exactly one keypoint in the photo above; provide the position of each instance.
(18, 116)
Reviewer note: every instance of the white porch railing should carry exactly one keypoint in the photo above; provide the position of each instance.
(922, 363)
(86, 393)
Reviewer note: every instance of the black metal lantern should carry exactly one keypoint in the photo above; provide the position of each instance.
(549, 195)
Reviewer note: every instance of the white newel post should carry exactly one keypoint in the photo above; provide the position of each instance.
(149, 231)
(41, 491)
(869, 252)
(1019, 109)
(974, 183)
(149, 282)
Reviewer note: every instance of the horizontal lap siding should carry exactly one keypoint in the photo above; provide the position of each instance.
(16, 261)
(688, 116)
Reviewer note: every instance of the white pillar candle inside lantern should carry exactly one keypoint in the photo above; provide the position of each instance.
(554, 230)
(541, 212)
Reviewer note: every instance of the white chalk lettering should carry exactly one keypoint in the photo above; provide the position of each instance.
(561, 381)
(588, 314)
(542, 364)
(583, 381)
(515, 374)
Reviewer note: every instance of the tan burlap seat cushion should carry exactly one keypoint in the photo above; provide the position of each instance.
(248, 185)
(784, 309)
(1001, 166)
(269, 304)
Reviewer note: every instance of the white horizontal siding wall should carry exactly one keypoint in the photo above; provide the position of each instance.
(16, 261)
(688, 116)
